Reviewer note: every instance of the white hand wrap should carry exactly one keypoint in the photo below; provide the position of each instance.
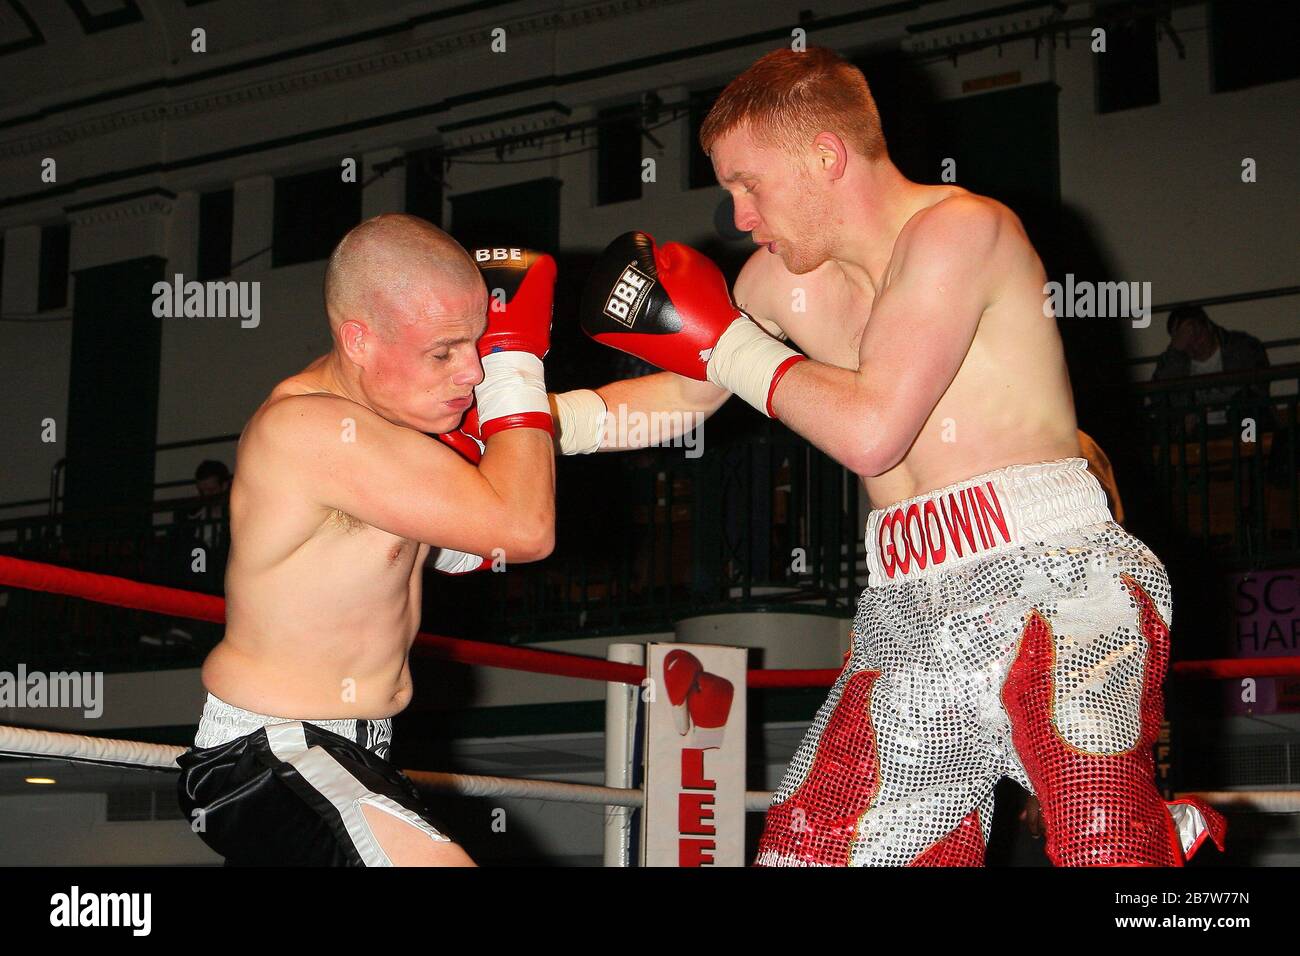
(514, 383)
(581, 421)
(744, 361)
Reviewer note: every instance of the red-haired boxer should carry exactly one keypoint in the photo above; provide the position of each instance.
(1010, 627)
(339, 498)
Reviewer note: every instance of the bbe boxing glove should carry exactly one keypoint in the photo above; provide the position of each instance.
(521, 287)
(669, 305)
(465, 441)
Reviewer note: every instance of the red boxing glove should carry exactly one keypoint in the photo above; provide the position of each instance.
(521, 290)
(669, 305)
(465, 442)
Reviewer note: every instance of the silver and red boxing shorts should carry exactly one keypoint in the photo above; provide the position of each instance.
(1009, 628)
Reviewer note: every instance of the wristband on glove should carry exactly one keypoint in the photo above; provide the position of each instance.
(748, 362)
(581, 417)
(512, 394)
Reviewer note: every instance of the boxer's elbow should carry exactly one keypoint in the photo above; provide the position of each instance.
(876, 448)
(868, 463)
(534, 540)
(542, 545)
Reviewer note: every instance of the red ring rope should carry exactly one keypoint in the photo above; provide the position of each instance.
(122, 592)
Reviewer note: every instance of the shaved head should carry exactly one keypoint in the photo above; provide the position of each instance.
(406, 307)
(395, 270)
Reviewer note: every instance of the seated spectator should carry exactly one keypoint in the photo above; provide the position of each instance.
(212, 479)
(207, 524)
(1198, 346)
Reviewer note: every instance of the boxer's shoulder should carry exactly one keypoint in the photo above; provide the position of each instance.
(957, 218)
(303, 427)
(958, 234)
(959, 223)
(286, 414)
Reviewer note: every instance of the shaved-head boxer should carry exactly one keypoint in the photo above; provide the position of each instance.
(338, 499)
(1010, 627)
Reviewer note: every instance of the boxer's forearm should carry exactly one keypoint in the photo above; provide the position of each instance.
(859, 434)
(519, 465)
(637, 411)
(680, 404)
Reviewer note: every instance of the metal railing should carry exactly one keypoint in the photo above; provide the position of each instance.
(1221, 458)
(767, 520)
(154, 544)
(59, 469)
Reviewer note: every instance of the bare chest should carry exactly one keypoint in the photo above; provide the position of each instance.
(368, 551)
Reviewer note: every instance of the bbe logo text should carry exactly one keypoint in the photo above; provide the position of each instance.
(627, 295)
(515, 256)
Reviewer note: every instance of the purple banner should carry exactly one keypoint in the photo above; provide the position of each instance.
(1266, 623)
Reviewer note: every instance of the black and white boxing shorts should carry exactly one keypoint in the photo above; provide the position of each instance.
(273, 791)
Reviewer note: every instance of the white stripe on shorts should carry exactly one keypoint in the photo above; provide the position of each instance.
(345, 792)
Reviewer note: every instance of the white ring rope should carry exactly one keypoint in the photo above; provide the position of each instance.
(24, 742)
(470, 785)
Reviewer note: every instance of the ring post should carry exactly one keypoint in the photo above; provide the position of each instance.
(621, 703)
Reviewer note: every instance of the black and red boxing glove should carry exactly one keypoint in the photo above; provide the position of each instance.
(465, 441)
(670, 306)
(521, 291)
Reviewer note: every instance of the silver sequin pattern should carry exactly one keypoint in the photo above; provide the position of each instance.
(944, 644)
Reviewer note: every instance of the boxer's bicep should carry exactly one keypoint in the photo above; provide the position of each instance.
(415, 487)
(922, 324)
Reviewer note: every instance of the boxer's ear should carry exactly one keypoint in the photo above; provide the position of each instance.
(832, 154)
(354, 339)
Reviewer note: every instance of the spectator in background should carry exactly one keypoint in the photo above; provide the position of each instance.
(212, 479)
(203, 525)
(206, 525)
(1197, 346)
(211, 518)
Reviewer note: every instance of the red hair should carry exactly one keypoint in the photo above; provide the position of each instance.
(787, 98)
